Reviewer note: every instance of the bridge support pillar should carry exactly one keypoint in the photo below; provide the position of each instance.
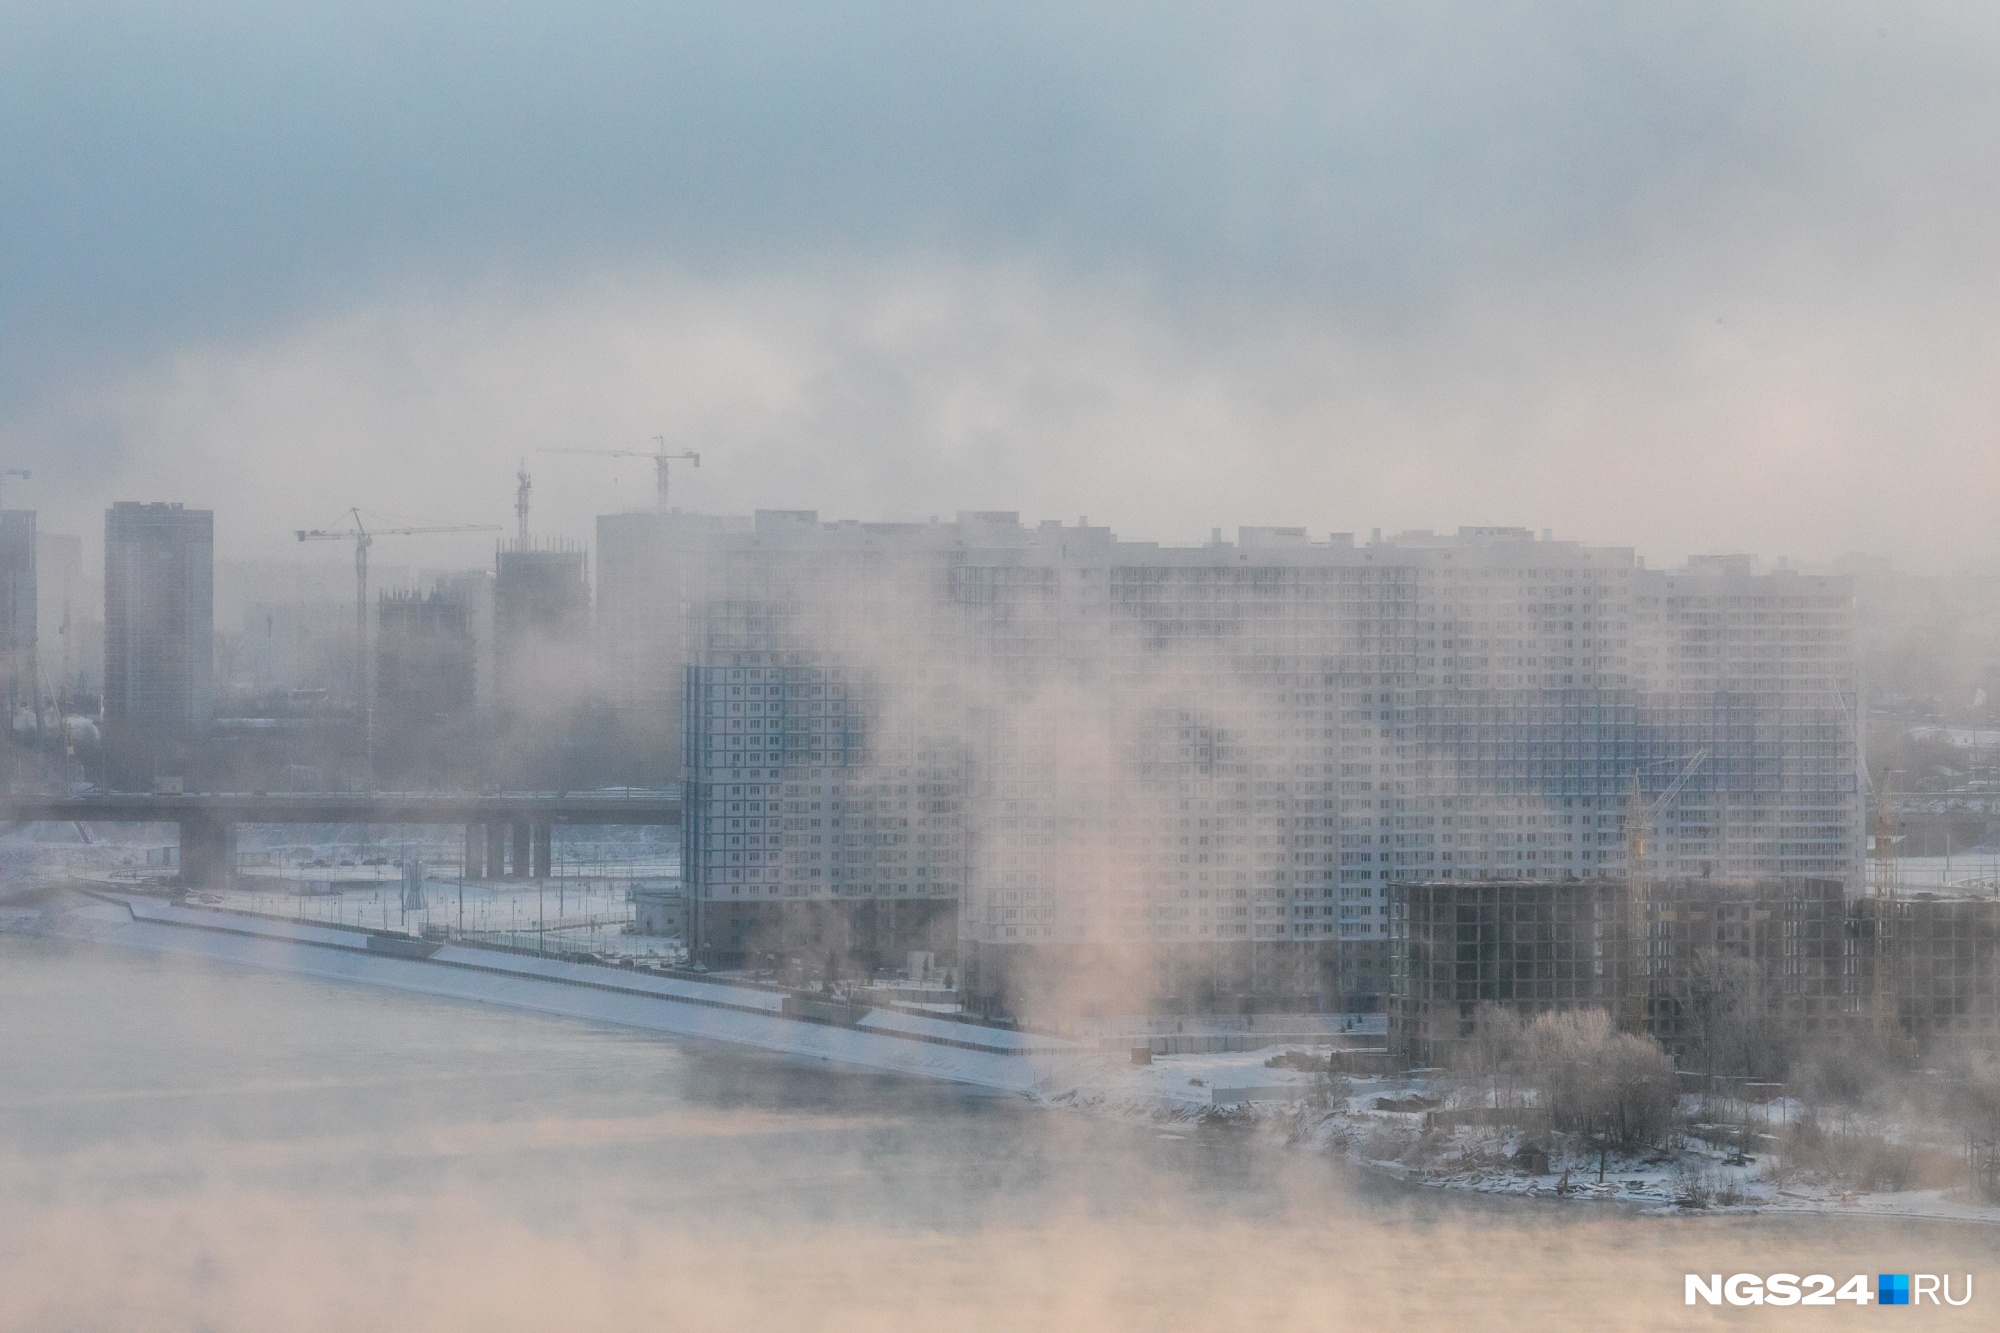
(496, 850)
(544, 837)
(208, 853)
(523, 850)
(475, 852)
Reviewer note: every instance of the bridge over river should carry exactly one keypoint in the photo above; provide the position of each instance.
(506, 833)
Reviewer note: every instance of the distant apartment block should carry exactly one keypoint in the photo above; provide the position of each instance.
(159, 636)
(67, 659)
(426, 662)
(19, 684)
(426, 684)
(826, 786)
(541, 619)
(1217, 758)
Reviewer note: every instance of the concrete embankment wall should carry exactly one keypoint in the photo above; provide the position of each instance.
(884, 1041)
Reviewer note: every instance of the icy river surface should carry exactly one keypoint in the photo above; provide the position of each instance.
(185, 1145)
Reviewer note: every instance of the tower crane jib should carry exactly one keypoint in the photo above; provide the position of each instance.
(661, 459)
(364, 537)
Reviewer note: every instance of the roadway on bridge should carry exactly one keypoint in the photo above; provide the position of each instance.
(601, 808)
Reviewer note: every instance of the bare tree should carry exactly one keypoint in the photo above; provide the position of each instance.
(1616, 1088)
(1740, 1027)
(1495, 1052)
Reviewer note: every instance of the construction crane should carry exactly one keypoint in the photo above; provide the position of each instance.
(1640, 815)
(21, 472)
(364, 537)
(659, 456)
(1884, 833)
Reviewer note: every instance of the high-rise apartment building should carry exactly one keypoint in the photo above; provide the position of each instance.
(425, 681)
(60, 610)
(425, 660)
(19, 687)
(159, 637)
(651, 568)
(826, 776)
(1194, 772)
(541, 620)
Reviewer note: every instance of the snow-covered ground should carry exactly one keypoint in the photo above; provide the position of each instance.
(323, 875)
(582, 913)
(1383, 1123)
(1975, 871)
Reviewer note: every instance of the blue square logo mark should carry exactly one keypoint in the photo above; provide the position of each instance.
(1892, 1289)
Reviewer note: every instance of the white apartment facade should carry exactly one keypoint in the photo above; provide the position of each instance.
(1069, 752)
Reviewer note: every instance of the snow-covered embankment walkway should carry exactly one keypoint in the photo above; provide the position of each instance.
(883, 1040)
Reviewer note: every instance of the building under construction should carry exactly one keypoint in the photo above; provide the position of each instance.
(426, 673)
(1705, 946)
(1664, 962)
(1457, 947)
(541, 618)
(425, 664)
(1928, 964)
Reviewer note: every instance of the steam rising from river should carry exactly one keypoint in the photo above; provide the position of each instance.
(224, 1259)
(206, 1148)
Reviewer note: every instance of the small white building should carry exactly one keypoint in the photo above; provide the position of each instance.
(659, 908)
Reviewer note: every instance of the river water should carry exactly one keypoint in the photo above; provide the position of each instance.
(187, 1146)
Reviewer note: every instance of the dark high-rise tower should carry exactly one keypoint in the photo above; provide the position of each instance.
(425, 661)
(542, 669)
(426, 672)
(61, 604)
(159, 637)
(17, 613)
(541, 621)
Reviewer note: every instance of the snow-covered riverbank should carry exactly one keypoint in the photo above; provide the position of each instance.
(1391, 1125)
(887, 1041)
(1401, 1126)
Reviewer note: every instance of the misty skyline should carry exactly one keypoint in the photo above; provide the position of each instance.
(1289, 613)
(1692, 279)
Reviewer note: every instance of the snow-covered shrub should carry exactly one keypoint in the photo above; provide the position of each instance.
(1616, 1088)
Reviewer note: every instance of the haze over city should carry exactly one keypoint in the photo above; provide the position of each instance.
(1686, 278)
(877, 664)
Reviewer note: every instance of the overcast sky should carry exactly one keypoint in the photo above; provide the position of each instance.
(1685, 276)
